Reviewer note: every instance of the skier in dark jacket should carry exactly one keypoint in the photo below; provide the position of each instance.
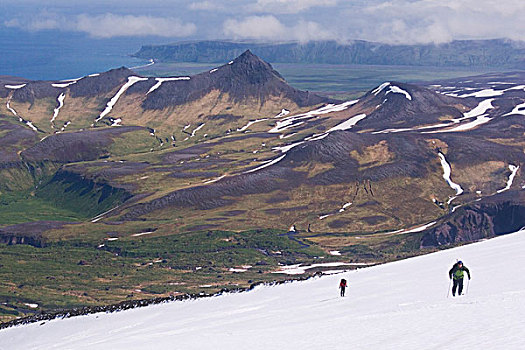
(342, 286)
(457, 274)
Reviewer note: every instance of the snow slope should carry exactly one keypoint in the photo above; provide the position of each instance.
(400, 305)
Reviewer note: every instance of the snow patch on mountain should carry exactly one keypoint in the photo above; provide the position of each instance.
(14, 87)
(348, 124)
(447, 174)
(131, 80)
(513, 171)
(162, 80)
(60, 100)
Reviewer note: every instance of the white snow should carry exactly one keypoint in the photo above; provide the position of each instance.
(380, 88)
(287, 136)
(8, 106)
(142, 234)
(161, 80)
(131, 80)
(519, 109)
(197, 129)
(400, 305)
(478, 112)
(14, 87)
(322, 217)
(94, 75)
(112, 238)
(447, 173)
(33, 306)
(418, 229)
(480, 120)
(231, 62)
(292, 228)
(348, 124)
(398, 90)
(266, 164)
(116, 122)
(63, 85)
(334, 252)
(283, 113)
(485, 93)
(243, 268)
(66, 124)
(480, 109)
(346, 205)
(392, 88)
(299, 269)
(60, 100)
(214, 70)
(289, 122)
(30, 124)
(250, 123)
(284, 149)
(100, 216)
(215, 180)
(513, 170)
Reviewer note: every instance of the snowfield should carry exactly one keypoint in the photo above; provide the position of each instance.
(400, 305)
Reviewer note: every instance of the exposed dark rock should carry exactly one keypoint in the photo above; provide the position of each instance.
(484, 219)
(29, 232)
(75, 146)
(247, 78)
(101, 84)
(35, 90)
(496, 53)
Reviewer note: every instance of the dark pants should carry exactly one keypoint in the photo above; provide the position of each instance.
(458, 284)
(342, 291)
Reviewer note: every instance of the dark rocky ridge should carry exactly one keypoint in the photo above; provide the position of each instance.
(473, 53)
(495, 216)
(100, 84)
(28, 233)
(397, 111)
(248, 77)
(75, 146)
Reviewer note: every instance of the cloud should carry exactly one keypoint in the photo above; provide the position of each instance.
(270, 28)
(424, 21)
(107, 25)
(204, 6)
(288, 6)
(110, 25)
(390, 21)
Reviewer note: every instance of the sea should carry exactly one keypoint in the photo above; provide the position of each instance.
(56, 55)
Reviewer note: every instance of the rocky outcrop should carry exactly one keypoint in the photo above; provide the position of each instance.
(246, 79)
(100, 84)
(75, 146)
(478, 221)
(456, 53)
(29, 233)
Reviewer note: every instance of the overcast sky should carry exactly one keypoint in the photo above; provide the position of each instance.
(391, 21)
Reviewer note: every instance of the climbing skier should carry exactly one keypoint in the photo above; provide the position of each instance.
(456, 273)
(342, 286)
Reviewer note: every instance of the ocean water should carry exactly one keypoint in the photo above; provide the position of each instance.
(54, 55)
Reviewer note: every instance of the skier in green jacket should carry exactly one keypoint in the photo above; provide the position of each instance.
(457, 274)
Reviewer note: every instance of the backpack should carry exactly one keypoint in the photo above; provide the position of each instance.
(343, 283)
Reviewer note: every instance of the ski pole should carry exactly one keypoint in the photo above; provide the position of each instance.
(449, 284)
(468, 284)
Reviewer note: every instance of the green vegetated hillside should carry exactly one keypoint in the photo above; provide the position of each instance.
(213, 181)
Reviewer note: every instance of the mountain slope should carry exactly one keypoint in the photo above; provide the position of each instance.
(392, 306)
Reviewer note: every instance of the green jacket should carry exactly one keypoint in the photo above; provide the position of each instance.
(456, 272)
